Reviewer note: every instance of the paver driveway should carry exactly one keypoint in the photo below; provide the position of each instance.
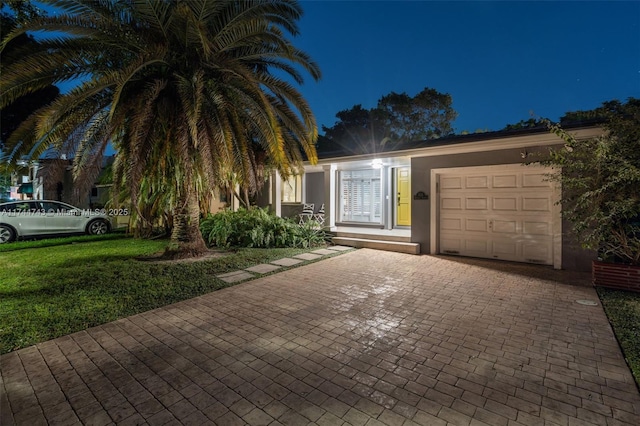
(368, 337)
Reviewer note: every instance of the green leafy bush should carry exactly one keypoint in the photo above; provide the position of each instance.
(310, 234)
(258, 228)
(600, 180)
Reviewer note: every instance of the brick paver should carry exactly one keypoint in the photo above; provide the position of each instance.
(366, 338)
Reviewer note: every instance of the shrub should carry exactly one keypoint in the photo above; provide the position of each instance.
(600, 180)
(258, 228)
(309, 234)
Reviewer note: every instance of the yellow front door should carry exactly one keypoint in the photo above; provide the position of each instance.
(403, 199)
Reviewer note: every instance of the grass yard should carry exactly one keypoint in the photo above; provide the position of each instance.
(623, 311)
(50, 288)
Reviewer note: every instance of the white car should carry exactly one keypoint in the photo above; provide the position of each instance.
(36, 218)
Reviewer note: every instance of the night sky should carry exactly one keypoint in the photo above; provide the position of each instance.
(500, 61)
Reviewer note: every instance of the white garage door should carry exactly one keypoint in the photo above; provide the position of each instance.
(498, 212)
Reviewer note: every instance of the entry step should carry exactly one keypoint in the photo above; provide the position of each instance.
(380, 237)
(397, 246)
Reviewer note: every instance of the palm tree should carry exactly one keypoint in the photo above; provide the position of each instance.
(191, 93)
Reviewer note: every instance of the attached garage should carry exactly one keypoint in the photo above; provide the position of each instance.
(505, 212)
(464, 195)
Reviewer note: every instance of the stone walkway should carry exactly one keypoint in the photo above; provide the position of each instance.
(365, 338)
(267, 268)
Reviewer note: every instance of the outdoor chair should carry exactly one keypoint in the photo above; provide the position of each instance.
(307, 213)
(319, 217)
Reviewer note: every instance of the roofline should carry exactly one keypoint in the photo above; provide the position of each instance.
(479, 142)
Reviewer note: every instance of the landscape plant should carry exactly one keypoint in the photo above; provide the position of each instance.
(600, 179)
(258, 228)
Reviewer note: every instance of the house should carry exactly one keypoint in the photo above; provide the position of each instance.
(467, 195)
(25, 183)
(45, 179)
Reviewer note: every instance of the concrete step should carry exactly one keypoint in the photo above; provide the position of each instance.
(397, 246)
(372, 236)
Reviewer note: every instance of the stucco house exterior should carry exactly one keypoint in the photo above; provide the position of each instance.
(469, 195)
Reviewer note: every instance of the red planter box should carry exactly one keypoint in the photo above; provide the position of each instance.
(618, 276)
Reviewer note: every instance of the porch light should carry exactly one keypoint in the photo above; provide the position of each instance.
(376, 163)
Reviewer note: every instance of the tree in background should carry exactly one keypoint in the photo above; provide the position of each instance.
(185, 90)
(609, 110)
(602, 114)
(427, 115)
(397, 118)
(526, 124)
(600, 180)
(5, 185)
(358, 130)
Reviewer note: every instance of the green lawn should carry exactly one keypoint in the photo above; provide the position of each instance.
(623, 311)
(50, 288)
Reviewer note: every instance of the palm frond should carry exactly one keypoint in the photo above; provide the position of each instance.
(188, 92)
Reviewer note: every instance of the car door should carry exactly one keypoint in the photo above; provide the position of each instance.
(29, 218)
(62, 218)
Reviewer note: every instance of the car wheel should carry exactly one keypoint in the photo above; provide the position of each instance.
(98, 227)
(7, 234)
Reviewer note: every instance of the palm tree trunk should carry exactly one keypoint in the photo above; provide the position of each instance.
(186, 238)
(245, 192)
(243, 199)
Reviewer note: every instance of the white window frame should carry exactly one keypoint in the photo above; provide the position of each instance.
(291, 190)
(366, 203)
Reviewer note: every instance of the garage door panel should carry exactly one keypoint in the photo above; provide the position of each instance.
(477, 225)
(451, 224)
(450, 245)
(537, 204)
(536, 228)
(505, 249)
(537, 252)
(505, 181)
(477, 246)
(498, 215)
(535, 180)
(451, 203)
(505, 226)
(451, 182)
(508, 203)
(476, 203)
(477, 182)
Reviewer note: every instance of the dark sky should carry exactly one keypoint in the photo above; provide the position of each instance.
(500, 61)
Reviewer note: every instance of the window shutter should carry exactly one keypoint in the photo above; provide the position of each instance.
(361, 192)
